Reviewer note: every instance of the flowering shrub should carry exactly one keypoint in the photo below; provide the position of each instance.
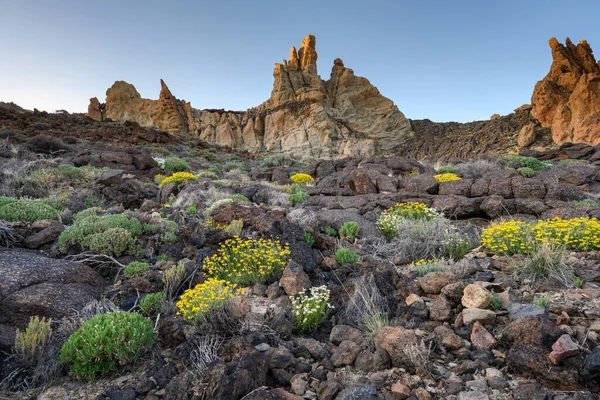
(302, 178)
(311, 310)
(106, 341)
(246, 262)
(447, 177)
(388, 220)
(423, 267)
(177, 177)
(194, 304)
(513, 237)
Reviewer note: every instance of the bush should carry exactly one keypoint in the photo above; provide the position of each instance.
(204, 153)
(194, 304)
(311, 310)
(302, 178)
(346, 256)
(542, 301)
(520, 161)
(331, 231)
(215, 206)
(586, 203)
(298, 195)
(175, 164)
(309, 239)
(388, 220)
(163, 257)
(207, 174)
(191, 210)
(349, 230)
(173, 279)
(46, 144)
(177, 177)
(30, 343)
(246, 262)
(136, 268)
(105, 342)
(65, 174)
(234, 165)
(423, 267)
(477, 168)
(240, 197)
(152, 302)
(526, 172)
(15, 210)
(448, 169)
(507, 238)
(235, 226)
(279, 160)
(448, 177)
(110, 234)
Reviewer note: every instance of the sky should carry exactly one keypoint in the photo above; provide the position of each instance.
(442, 60)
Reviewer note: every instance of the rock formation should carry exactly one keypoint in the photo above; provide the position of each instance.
(568, 98)
(305, 116)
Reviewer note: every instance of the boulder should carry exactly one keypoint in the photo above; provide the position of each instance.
(433, 282)
(394, 340)
(294, 280)
(563, 348)
(526, 135)
(532, 330)
(481, 338)
(475, 296)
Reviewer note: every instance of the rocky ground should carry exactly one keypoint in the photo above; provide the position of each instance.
(467, 328)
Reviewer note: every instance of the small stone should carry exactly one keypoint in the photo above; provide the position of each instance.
(481, 338)
(342, 332)
(433, 282)
(454, 291)
(591, 365)
(413, 298)
(495, 378)
(299, 384)
(294, 280)
(563, 348)
(474, 296)
(471, 315)
(345, 353)
(476, 395)
(400, 390)
(440, 309)
(422, 394)
(447, 338)
(262, 347)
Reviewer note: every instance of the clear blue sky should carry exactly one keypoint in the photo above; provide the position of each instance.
(442, 60)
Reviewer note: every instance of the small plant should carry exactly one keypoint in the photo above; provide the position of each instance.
(240, 197)
(177, 177)
(298, 195)
(578, 282)
(367, 309)
(423, 267)
(175, 164)
(387, 223)
(194, 304)
(447, 177)
(331, 231)
(586, 203)
(158, 178)
(30, 343)
(232, 165)
(346, 256)
(235, 226)
(496, 303)
(246, 262)
(309, 239)
(204, 153)
(349, 230)
(542, 301)
(152, 302)
(163, 257)
(516, 162)
(15, 210)
(278, 160)
(447, 169)
(311, 310)
(526, 172)
(173, 279)
(546, 261)
(455, 246)
(207, 174)
(136, 268)
(215, 206)
(105, 342)
(191, 210)
(301, 178)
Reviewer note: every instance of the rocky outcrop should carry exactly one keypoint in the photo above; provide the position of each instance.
(305, 116)
(568, 98)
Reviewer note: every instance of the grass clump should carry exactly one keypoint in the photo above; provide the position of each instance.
(301, 178)
(65, 174)
(177, 177)
(447, 177)
(215, 206)
(298, 195)
(15, 210)
(233, 165)
(388, 220)
(349, 230)
(173, 279)
(279, 160)
(578, 282)
(194, 304)
(526, 172)
(152, 302)
(136, 268)
(309, 239)
(30, 343)
(163, 257)
(546, 261)
(191, 210)
(246, 262)
(346, 256)
(235, 226)
(542, 301)
(367, 309)
(111, 234)
(311, 309)
(176, 164)
(105, 342)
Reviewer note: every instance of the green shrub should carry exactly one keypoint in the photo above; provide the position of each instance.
(578, 282)
(191, 210)
(91, 233)
(349, 230)
(163, 257)
(331, 231)
(65, 174)
(526, 172)
(309, 239)
(169, 237)
(152, 302)
(586, 203)
(15, 210)
(520, 161)
(215, 206)
(204, 153)
(207, 174)
(234, 165)
(136, 268)
(456, 246)
(298, 195)
(496, 303)
(30, 343)
(448, 169)
(240, 197)
(423, 267)
(175, 164)
(346, 256)
(88, 212)
(542, 301)
(279, 160)
(106, 342)
(311, 310)
(149, 228)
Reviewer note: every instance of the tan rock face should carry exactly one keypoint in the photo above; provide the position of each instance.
(305, 116)
(568, 98)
